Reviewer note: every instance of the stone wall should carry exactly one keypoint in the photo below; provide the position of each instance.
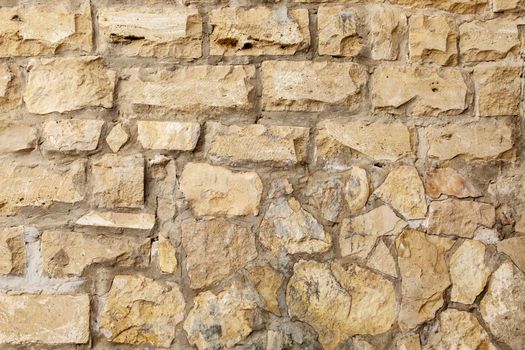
(263, 175)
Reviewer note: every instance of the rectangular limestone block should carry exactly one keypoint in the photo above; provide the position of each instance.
(150, 31)
(10, 87)
(71, 135)
(174, 136)
(457, 6)
(12, 251)
(258, 31)
(110, 219)
(44, 319)
(191, 89)
(340, 30)
(311, 86)
(15, 137)
(45, 29)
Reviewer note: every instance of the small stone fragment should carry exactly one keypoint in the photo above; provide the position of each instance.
(10, 88)
(433, 39)
(117, 138)
(380, 221)
(17, 137)
(267, 281)
(357, 189)
(486, 235)
(338, 31)
(71, 135)
(137, 221)
(382, 260)
(12, 251)
(514, 247)
(173, 136)
(280, 187)
(449, 182)
(140, 310)
(387, 28)
(353, 245)
(167, 256)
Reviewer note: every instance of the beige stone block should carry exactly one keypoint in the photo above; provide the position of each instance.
(457, 6)
(267, 281)
(71, 135)
(340, 30)
(514, 248)
(117, 138)
(136, 221)
(12, 251)
(433, 39)
(381, 221)
(15, 137)
(449, 182)
(387, 26)
(167, 256)
(10, 87)
(173, 136)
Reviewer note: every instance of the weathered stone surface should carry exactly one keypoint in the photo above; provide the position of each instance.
(173, 136)
(498, 90)
(382, 260)
(514, 247)
(458, 6)
(222, 320)
(190, 88)
(355, 245)
(118, 181)
(484, 139)
(311, 86)
(258, 31)
(167, 256)
(325, 193)
(214, 190)
(357, 189)
(427, 91)
(214, 249)
(387, 26)
(459, 330)
(410, 342)
(137, 221)
(10, 90)
(489, 40)
(502, 306)
(17, 137)
(381, 221)
(267, 281)
(504, 5)
(117, 138)
(424, 276)
(150, 31)
(12, 251)
(42, 184)
(404, 191)
(287, 226)
(45, 29)
(272, 144)
(339, 30)
(487, 235)
(70, 135)
(139, 310)
(67, 254)
(449, 182)
(44, 318)
(468, 272)
(67, 84)
(459, 218)
(433, 39)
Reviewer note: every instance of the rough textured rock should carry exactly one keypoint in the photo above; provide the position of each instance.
(459, 218)
(458, 6)
(424, 276)
(355, 245)
(267, 282)
(325, 194)
(139, 310)
(258, 31)
(287, 226)
(12, 251)
(68, 84)
(274, 145)
(167, 256)
(484, 139)
(44, 318)
(449, 182)
(428, 91)
(410, 342)
(468, 272)
(387, 26)
(118, 181)
(150, 31)
(381, 221)
(312, 86)
(10, 89)
(173, 136)
(514, 248)
(504, 5)
(214, 249)
(71, 135)
(214, 190)
(404, 191)
(357, 189)
(117, 138)
(502, 306)
(338, 30)
(137, 221)
(382, 260)
(67, 254)
(433, 39)
(15, 137)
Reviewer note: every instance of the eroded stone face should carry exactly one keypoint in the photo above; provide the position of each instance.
(338, 31)
(10, 89)
(514, 248)
(449, 182)
(387, 26)
(267, 282)
(12, 251)
(71, 135)
(167, 256)
(432, 39)
(139, 310)
(173, 136)
(117, 138)
(381, 221)
(504, 5)
(136, 221)
(382, 260)
(458, 6)
(16, 137)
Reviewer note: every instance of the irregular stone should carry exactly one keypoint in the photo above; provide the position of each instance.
(382, 260)
(140, 310)
(214, 190)
(222, 320)
(504, 5)
(71, 135)
(173, 136)
(404, 191)
(43, 183)
(357, 189)
(44, 319)
(498, 90)
(380, 221)
(459, 218)
(287, 226)
(424, 276)
(468, 272)
(68, 254)
(214, 249)
(68, 84)
(449, 182)
(237, 145)
(167, 256)
(10, 89)
(387, 26)
(118, 181)
(137, 221)
(486, 235)
(190, 88)
(514, 248)
(280, 187)
(457, 6)
(325, 194)
(267, 281)
(45, 29)
(410, 342)
(150, 31)
(487, 138)
(258, 31)
(428, 91)
(338, 30)
(356, 246)
(502, 306)
(17, 137)
(117, 138)
(433, 39)
(489, 40)
(12, 251)
(458, 330)
(311, 86)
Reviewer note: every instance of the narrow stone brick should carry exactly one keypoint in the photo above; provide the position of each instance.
(12, 251)
(388, 25)
(10, 89)
(135, 221)
(174, 136)
(457, 6)
(71, 135)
